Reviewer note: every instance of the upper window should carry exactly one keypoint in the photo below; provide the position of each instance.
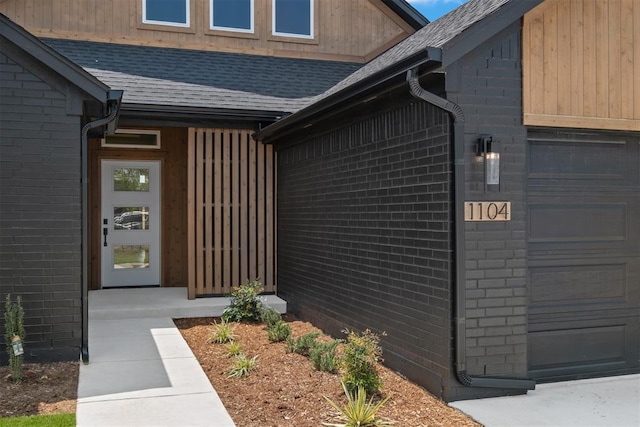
(166, 12)
(232, 15)
(293, 18)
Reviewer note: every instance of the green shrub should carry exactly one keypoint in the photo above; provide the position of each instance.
(14, 335)
(279, 331)
(222, 332)
(359, 359)
(242, 365)
(303, 344)
(245, 304)
(323, 356)
(270, 317)
(234, 349)
(358, 412)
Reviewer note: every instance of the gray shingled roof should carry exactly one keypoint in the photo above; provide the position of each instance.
(436, 35)
(189, 78)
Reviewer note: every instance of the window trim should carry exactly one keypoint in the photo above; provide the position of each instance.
(166, 23)
(103, 141)
(252, 13)
(310, 36)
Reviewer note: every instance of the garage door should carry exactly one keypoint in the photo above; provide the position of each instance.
(584, 254)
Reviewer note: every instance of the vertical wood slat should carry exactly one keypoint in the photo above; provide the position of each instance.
(231, 211)
(226, 213)
(217, 208)
(235, 206)
(208, 208)
(260, 211)
(244, 208)
(199, 217)
(191, 207)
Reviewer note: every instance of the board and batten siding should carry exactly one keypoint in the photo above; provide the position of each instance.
(345, 30)
(581, 64)
(231, 211)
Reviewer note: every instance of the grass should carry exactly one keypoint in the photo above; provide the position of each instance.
(56, 420)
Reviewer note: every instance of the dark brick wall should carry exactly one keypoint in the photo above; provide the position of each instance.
(364, 232)
(487, 87)
(40, 224)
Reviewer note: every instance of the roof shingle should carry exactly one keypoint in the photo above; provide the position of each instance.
(180, 77)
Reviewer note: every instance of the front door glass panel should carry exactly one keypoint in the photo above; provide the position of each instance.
(131, 179)
(131, 256)
(131, 218)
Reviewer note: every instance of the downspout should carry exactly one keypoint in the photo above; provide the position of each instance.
(458, 191)
(114, 99)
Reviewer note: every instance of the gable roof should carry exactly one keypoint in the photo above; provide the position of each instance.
(407, 12)
(189, 78)
(18, 36)
(444, 40)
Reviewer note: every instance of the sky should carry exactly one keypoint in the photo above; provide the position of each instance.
(434, 9)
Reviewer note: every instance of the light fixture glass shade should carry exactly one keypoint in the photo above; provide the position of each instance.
(493, 168)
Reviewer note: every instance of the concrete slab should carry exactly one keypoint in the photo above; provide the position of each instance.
(177, 410)
(141, 371)
(132, 303)
(611, 401)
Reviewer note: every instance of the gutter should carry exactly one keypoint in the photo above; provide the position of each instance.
(306, 116)
(458, 172)
(114, 100)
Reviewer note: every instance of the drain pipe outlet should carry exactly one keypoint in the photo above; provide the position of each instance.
(458, 191)
(114, 100)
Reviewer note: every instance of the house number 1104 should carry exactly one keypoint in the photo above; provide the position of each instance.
(487, 211)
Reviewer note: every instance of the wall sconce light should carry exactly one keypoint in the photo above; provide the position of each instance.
(491, 160)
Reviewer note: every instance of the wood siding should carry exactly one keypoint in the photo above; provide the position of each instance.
(581, 64)
(173, 154)
(231, 211)
(347, 30)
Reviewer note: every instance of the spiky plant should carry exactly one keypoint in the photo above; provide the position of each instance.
(358, 412)
(234, 349)
(242, 365)
(222, 332)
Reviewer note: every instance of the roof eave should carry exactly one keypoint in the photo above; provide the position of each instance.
(150, 110)
(288, 124)
(484, 29)
(407, 12)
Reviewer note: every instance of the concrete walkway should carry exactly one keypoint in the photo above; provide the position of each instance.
(608, 402)
(141, 371)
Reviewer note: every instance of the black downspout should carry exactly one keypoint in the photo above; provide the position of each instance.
(458, 174)
(114, 99)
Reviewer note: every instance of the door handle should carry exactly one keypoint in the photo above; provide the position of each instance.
(105, 231)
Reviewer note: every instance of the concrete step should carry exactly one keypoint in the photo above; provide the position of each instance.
(131, 303)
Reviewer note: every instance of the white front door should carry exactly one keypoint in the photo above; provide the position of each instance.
(130, 223)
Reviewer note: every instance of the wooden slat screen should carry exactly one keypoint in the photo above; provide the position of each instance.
(231, 209)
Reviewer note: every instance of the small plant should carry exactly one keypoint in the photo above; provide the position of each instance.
(245, 303)
(359, 359)
(15, 335)
(242, 365)
(270, 317)
(358, 412)
(279, 331)
(303, 344)
(222, 332)
(323, 356)
(234, 349)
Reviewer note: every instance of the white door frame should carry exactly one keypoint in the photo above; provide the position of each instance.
(130, 249)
